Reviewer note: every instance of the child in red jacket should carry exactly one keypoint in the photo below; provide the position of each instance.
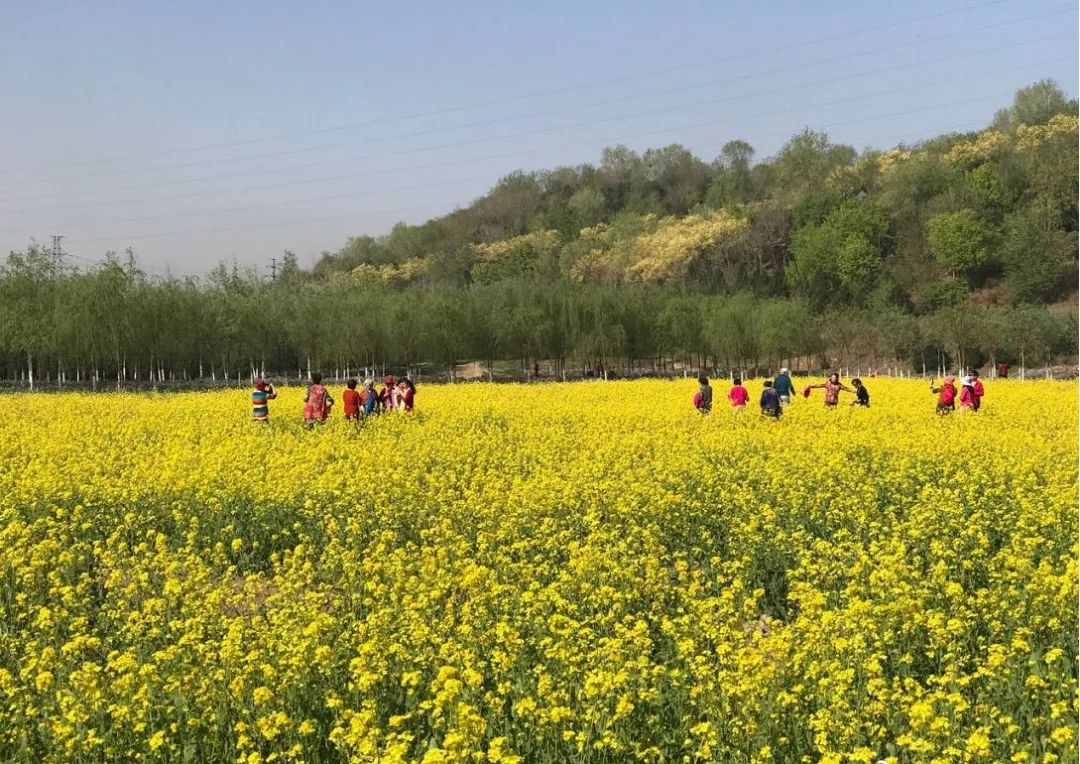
(350, 401)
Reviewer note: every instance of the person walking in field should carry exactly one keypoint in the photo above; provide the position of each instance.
(832, 387)
(406, 395)
(784, 387)
(967, 395)
(261, 396)
(350, 401)
(977, 389)
(946, 393)
(369, 398)
(703, 397)
(862, 395)
(317, 402)
(738, 395)
(388, 394)
(770, 400)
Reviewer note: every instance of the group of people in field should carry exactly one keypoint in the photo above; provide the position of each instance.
(969, 395)
(399, 395)
(778, 392)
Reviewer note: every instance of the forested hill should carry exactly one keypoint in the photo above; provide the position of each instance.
(989, 216)
(959, 250)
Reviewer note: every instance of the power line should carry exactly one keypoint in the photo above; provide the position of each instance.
(606, 102)
(274, 224)
(248, 208)
(773, 50)
(157, 272)
(505, 136)
(330, 218)
(334, 197)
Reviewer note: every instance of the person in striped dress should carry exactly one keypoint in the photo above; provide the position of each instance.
(261, 396)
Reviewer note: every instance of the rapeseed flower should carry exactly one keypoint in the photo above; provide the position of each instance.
(583, 572)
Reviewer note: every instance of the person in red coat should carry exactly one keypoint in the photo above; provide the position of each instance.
(977, 388)
(946, 394)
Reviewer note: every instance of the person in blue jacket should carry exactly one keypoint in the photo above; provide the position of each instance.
(784, 387)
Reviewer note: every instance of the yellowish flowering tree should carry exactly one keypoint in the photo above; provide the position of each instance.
(677, 243)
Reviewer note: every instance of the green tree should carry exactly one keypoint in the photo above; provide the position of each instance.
(959, 241)
(1039, 258)
(733, 180)
(805, 161)
(26, 303)
(841, 257)
(1034, 105)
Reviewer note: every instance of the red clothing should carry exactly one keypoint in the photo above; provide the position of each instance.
(351, 401)
(738, 396)
(388, 398)
(832, 392)
(407, 399)
(315, 407)
(947, 395)
(979, 392)
(967, 397)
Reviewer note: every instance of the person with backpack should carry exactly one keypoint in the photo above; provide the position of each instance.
(770, 401)
(317, 402)
(703, 397)
(946, 393)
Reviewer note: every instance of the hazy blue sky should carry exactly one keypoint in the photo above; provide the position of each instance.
(198, 132)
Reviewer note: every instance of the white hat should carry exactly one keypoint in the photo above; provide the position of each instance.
(965, 380)
(368, 382)
(783, 370)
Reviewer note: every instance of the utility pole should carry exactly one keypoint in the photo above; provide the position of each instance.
(273, 269)
(57, 251)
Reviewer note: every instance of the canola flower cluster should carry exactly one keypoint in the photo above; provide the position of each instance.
(586, 572)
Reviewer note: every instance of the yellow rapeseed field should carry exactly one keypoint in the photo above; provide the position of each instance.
(585, 572)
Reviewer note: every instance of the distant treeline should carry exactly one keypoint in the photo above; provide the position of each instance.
(114, 322)
(951, 252)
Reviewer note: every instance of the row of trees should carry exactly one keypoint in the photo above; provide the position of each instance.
(115, 323)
